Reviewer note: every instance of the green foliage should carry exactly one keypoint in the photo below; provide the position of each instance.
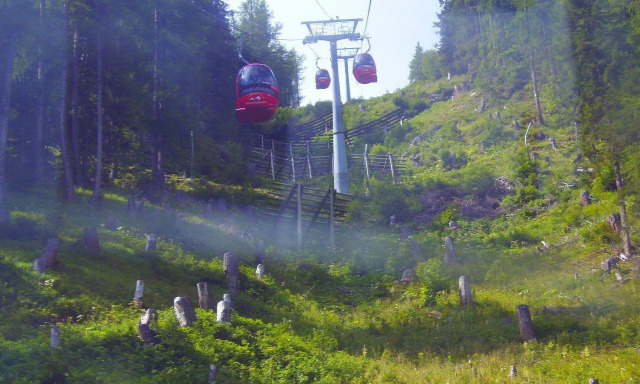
(389, 199)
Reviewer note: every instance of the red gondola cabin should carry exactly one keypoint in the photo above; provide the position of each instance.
(364, 69)
(323, 80)
(257, 94)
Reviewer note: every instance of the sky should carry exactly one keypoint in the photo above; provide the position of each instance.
(394, 28)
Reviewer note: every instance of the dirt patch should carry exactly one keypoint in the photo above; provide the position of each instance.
(473, 207)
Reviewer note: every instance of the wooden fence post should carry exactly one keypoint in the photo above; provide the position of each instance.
(332, 224)
(299, 189)
(525, 324)
(204, 300)
(465, 291)
(139, 292)
(393, 168)
(185, 313)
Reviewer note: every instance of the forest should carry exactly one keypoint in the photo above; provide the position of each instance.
(490, 234)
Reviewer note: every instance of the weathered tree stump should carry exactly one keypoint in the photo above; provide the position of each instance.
(552, 143)
(260, 271)
(48, 257)
(146, 334)
(91, 239)
(55, 336)
(139, 292)
(453, 225)
(614, 222)
(594, 381)
(213, 373)
(535, 155)
(449, 251)
(608, 264)
(259, 255)
(407, 276)
(465, 291)
(232, 270)
(134, 207)
(223, 312)
(185, 313)
(392, 220)
(151, 244)
(498, 115)
(416, 252)
(525, 324)
(513, 371)
(516, 125)
(585, 198)
(204, 299)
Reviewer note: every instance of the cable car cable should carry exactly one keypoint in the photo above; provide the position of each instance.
(367, 21)
(323, 10)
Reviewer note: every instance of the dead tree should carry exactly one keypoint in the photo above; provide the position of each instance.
(613, 221)
(213, 373)
(449, 251)
(525, 324)
(48, 257)
(139, 292)
(55, 336)
(465, 291)
(232, 270)
(185, 313)
(204, 298)
(91, 239)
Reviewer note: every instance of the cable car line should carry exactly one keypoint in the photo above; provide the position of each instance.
(323, 10)
(367, 21)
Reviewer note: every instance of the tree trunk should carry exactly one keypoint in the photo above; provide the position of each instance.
(157, 139)
(204, 299)
(525, 324)
(223, 310)
(91, 240)
(69, 192)
(624, 227)
(48, 257)
(38, 146)
(9, 52)
(465, 291)
(98, 180)
(535, 87)
(449, 251)
(138, 293)
(75, 96)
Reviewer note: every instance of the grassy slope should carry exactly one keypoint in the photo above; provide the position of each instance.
(312, 319)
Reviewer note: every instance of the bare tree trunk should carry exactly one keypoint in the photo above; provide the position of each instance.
(38, 146)
(98, 180)
(624, 227)
(157, 163)
(75, 95)
(9, 51)
(535, 87)
(69, 192)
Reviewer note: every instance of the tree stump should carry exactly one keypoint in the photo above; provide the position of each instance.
(260, 271)
(614, 222)
(552, 143)
(416, 252)
(48, 257)
(232, 270)
(223, 312)
(204, 299)
(449, 251)
(91, 239)
(55, 336)
(525, 324)
(594, 381)
(465, 291)
(151, 245)
(185, 313)
(585, 198)
(139, 292)
(513, 371)
(213, 373)
(407, 276)
(392, 220)
(259, 255)
(608, 264)
(453, 225)
(516, 125)
(134, 207)
(146, 334)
